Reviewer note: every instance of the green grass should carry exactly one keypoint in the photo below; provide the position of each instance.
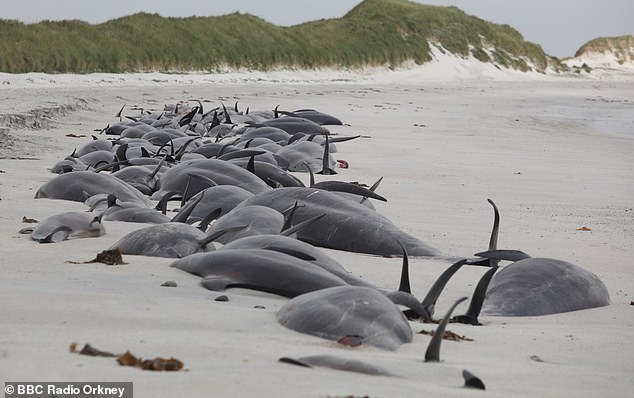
(375, 32)
(621, 46)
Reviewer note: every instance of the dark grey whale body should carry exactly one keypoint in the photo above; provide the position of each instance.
(285, 243)
(258, 269)
(541, 286)
(347, 225)
(247, 221)
(337, 363)
(530, 286)
(63, 226)
(80, 185)
(338, 312)
(212, 171)
(172, 240)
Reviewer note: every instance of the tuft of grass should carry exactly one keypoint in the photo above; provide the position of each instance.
(375, 32)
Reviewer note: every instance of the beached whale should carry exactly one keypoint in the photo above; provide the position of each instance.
(292, 125)
(530, 286)
(248, 221)
(223, 197)
(313, 115)
(258, 269)
(80, 185)
(172, 240)
(339, 312)
(543, 286)
(196, 175)
(298, 248)
(337, 363)
(347, 225)
(63, 226)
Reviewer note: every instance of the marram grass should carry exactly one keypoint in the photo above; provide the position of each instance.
(375, 32)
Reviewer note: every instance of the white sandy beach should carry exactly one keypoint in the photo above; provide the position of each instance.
(555, 153)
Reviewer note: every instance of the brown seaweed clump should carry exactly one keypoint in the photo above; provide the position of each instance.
(108, 257)
(157, 364)
(127, 359)
(448, 335)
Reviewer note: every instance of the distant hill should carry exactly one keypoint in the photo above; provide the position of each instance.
(374, 33)
(606, 52)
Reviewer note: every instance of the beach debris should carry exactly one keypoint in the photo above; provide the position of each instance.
(108, 257)
(73, 135)
(93, 352)
(89, 350)
(156, 364)
(584, 228)
(448, 335)
(343, 164)
(472, 381)
(222, 298)
(536, 358)
(29, 220)
(127, 359)
(169, 284)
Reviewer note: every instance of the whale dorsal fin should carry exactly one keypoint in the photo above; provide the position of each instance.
(433, 349)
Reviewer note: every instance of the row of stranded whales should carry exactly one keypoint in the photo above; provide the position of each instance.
(349, 224)
(246, 221)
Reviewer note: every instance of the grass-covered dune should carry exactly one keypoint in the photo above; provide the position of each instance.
(621, 47)
(375, 32)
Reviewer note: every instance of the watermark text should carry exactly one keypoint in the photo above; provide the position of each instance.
(68, 390)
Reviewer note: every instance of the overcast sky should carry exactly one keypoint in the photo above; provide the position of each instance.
(559, 26)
